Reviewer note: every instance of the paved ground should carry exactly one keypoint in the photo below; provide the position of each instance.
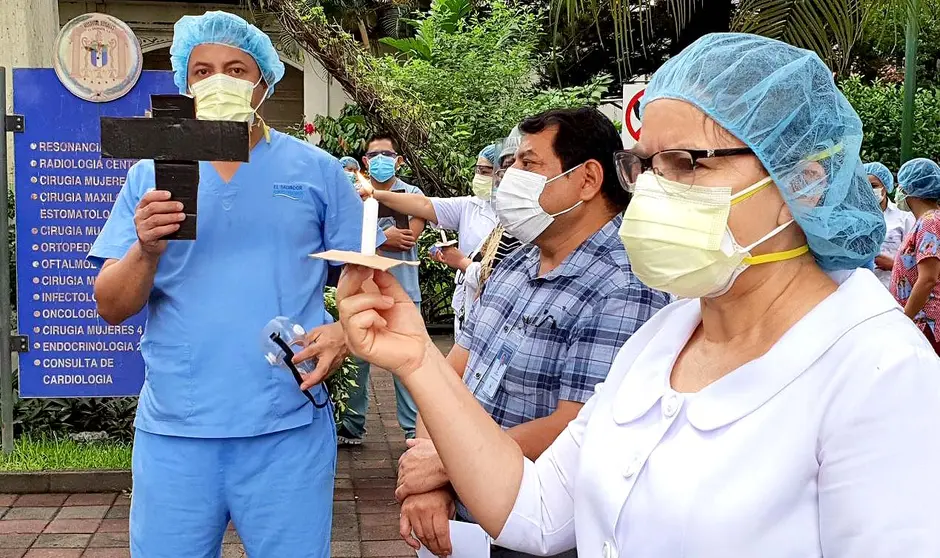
(365, 515)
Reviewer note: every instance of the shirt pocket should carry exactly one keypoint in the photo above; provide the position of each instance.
(169, 385)
(534, 372)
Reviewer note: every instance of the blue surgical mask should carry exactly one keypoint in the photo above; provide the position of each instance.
(382, 168)
(351, 176)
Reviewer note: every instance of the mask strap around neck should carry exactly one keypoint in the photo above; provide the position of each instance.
(751, 190)
(777, 256)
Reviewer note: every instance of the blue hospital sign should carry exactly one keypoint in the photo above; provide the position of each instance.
(64, 194)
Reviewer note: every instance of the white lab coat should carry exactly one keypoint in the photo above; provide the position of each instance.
(827, 446)
(898, 224)
(473, 219)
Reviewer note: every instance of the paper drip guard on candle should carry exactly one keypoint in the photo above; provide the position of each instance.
(444, 243)
(366, 255)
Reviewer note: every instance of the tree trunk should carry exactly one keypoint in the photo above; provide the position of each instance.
(364, 33)
(352, 67)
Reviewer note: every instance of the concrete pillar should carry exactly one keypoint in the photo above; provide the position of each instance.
(27, 36)
(27, 32)
(316, 92)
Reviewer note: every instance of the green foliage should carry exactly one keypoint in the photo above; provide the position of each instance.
(437, 282)
(345, 135)
(450, 18)
(51, 453)
(881, 54)
(473, 73)
(880, 107)
(50, 417)
(343, 382)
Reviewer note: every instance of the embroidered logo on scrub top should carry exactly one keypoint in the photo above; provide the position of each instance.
(289, 191)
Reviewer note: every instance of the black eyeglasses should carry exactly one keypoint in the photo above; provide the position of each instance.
(483, 170)
(677, 165)
(387, 153)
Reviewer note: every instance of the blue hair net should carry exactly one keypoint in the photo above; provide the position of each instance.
(222, 28)
(882, 173)
(489, 153)
(920, 178)
(781, 101)
(346, 161)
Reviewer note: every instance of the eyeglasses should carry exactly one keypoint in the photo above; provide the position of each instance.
(677, 165)
(387, 153)
(483, 170)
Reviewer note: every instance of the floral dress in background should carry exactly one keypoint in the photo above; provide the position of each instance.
(922, 243)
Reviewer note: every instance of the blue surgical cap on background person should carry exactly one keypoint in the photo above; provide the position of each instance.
(882, 173)
(920, 178)
(347, 161)
(222, 28)
(781, 101)
(489, 153)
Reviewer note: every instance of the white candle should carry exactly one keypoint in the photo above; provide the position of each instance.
(370, 224)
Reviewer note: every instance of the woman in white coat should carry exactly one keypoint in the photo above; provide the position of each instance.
(786, 408)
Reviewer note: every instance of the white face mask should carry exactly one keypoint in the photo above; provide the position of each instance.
(223, 97)
(517, 203)
(678, 241)
(879, 194)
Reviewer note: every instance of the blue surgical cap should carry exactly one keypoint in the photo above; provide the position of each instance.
(489, 153)
(222, 28)
(781, 101)
(920, 178)
(882, 173)
(346, 161)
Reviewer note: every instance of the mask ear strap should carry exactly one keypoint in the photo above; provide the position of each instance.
(751, 190)
(769, 235)
(567, 172)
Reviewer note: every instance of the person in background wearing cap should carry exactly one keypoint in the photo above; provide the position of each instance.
(351, 168)
(915, 282)
(221, 434)
(754, 418)
(898, 223)
(472, 217)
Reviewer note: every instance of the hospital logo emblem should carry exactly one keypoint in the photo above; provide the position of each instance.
(290, 191)
(97, 58)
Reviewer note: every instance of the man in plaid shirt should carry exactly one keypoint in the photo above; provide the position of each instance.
(552, 316)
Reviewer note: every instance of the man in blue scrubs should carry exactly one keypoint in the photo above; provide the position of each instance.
(220, 433)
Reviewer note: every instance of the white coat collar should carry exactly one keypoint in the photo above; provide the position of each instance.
(859, 297)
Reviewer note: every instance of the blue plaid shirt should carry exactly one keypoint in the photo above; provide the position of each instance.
(556, 335)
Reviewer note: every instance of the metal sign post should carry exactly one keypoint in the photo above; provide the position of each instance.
(9, 123)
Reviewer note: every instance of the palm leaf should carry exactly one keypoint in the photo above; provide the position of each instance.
(631, 18)
(831, 28)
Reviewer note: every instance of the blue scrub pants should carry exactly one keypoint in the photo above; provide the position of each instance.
(353, 420)
(277, 489)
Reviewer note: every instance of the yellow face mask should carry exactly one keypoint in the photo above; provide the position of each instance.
(482, 186)
(223, 97)
(678, 241)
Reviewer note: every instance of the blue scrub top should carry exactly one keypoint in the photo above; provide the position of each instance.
(206, 375)
(407, 275)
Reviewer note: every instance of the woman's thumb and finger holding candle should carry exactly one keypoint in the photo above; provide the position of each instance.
(382, 325)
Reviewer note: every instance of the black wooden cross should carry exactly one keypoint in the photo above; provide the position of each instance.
(176, 141)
